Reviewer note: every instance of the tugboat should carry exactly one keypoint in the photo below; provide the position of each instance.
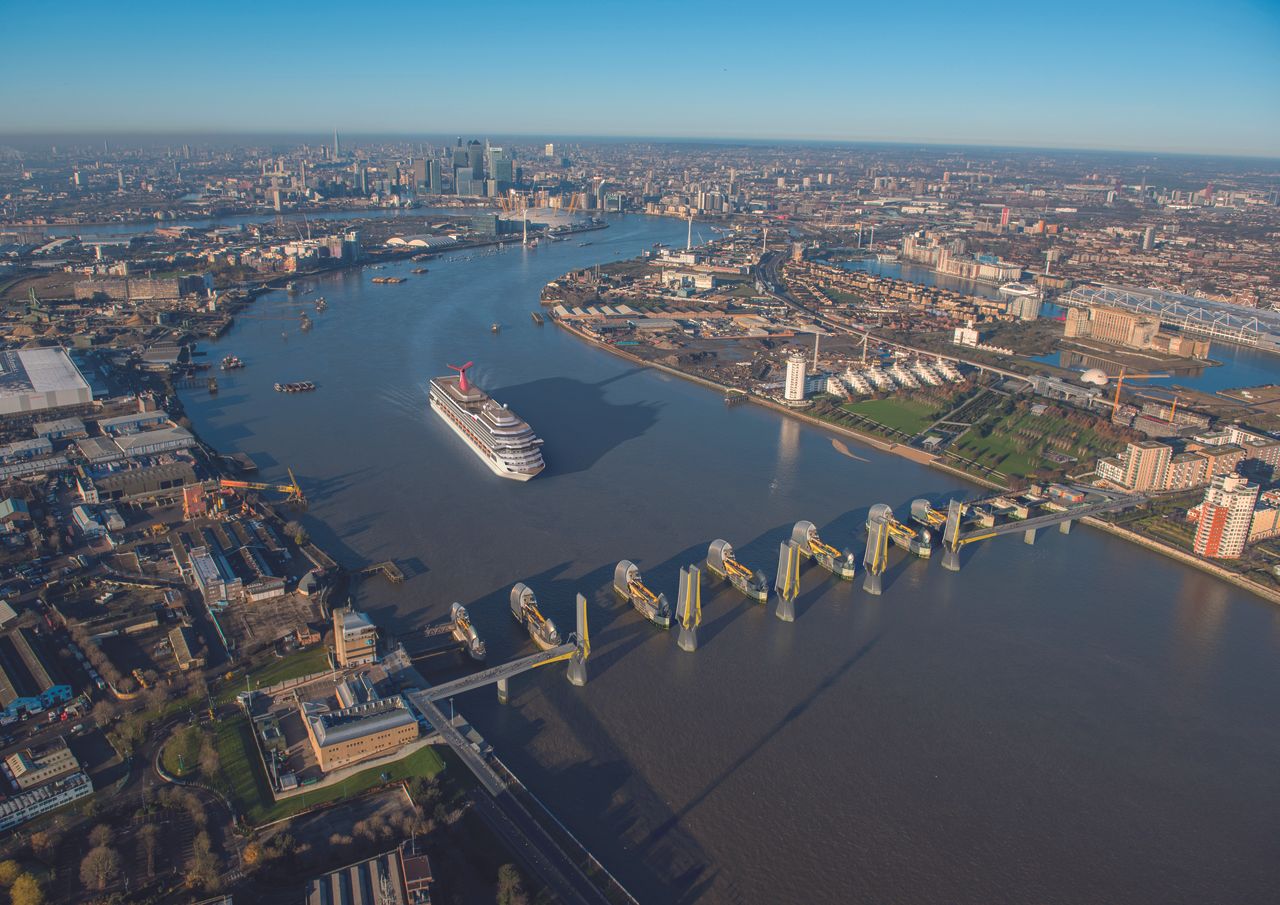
(213, 385)
(495, 328)
(291, 287)
(304, 322)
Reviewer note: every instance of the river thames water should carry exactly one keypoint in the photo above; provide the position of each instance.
(1075, 721)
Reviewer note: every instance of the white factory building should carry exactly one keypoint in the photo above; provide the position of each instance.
(34, 380)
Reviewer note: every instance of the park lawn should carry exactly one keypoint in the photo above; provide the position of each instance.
(996, 452)
(181, 754)
(243, 772)
(1000, 450)
(899, 413)
(291, 666)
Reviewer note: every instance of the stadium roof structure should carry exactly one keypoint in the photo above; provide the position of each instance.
(1203, 317)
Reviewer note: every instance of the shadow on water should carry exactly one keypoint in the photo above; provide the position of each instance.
(578, 424)
(670, 867)
(791, 715)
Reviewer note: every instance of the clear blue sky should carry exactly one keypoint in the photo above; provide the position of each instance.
(1179, 75)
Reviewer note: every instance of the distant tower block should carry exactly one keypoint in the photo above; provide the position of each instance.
(578, 660)
(951, 537)
(689, 607)
(787, 583)
(876, 558)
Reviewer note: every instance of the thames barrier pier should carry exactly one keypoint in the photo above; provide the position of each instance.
(787, 584)
(721, 562)
(876, 557)
(629, 584)
(805, 536)
(689, 608)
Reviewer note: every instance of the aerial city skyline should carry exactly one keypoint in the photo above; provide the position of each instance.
(601, 454)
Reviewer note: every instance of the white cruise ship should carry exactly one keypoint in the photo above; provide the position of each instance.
(501, 439)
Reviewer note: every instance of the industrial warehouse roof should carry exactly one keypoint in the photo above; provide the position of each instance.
(36, 379)
(130, 444)
(41, 370)
(23, 673)
(134, 418)
(359, 721)
(140, 480)
(60, 426)
(377, 880)
(99, 449)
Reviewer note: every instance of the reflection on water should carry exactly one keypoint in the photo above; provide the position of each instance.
(1239, 366)
(1082, 361)
(788, 455)
(1198, 617)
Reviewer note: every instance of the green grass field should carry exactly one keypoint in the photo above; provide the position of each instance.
(1017, 441)
(181, 754)
(291, 666)
(242, 772)
(897, 412)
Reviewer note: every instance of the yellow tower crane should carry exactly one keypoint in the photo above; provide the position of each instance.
(292, 491)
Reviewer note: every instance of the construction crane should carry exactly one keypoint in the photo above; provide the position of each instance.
(1115, 402)
(292, 491)
(1171, 402)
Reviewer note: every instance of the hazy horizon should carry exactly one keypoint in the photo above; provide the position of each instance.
(1144, 76)
(349, 139)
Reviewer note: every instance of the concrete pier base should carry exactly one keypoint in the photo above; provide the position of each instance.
(1064, 527)
(786, 610)
(871, 584)
(577, 672)
(688, 639)
(951, 560)
(1029, 536)
(504, 692)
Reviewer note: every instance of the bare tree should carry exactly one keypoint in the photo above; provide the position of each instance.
(149, 836)
(210, 763)
(205, 867)
(104, 712)
(100, 868)
(100, 835)
(45, 844)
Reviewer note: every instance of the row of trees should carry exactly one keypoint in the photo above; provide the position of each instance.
(98, 658)
(24, 887)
